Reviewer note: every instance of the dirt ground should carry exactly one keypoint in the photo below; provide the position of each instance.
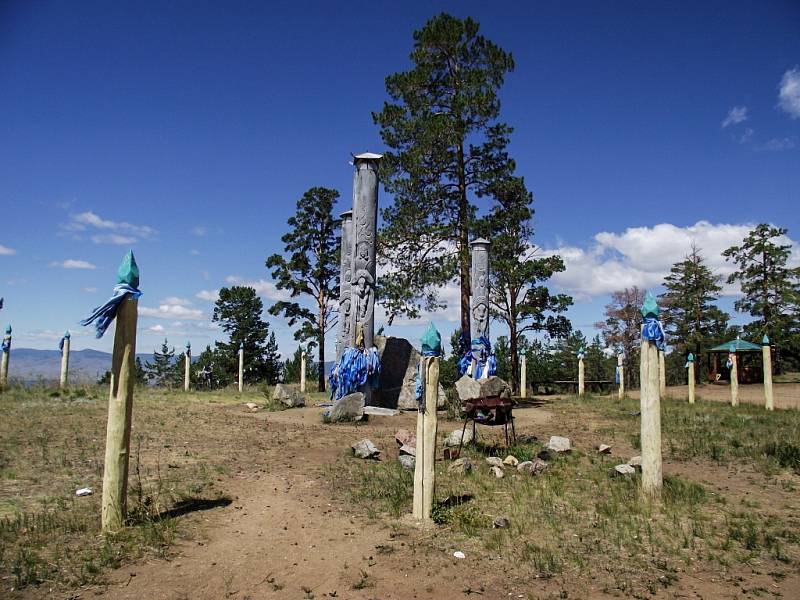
(286, 534)
(785, 395)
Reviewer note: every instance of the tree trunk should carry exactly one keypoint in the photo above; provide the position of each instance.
(321, 374)
(513, 346)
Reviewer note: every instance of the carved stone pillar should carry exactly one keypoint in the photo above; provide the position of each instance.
(479, 308)
(344, 335)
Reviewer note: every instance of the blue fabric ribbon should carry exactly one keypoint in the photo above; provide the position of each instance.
(61, 345)
(7, 343)
(105, 314)
(487, 358)
(419, 384)
(653, 331)
(356, 368)
(616, 375)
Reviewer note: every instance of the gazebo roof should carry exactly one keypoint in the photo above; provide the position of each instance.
(739, 344)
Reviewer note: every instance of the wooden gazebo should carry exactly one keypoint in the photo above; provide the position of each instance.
(750, 369)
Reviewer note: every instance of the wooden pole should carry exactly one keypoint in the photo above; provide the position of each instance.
(523, 376)
(303, 372)
(65, 361)
(427, 424)
(621, 368)
(690, 360)
(650, 406)
(766, 357)
(5, 357)
(662, 375)
(187, 367)
(581, 376)
(120, 408)
(241, 367)
(734, 378)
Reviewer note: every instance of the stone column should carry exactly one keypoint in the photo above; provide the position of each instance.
(364, 231)
(241, 367)
(479, 307)
(662, 374)
(650, 407)
(344, 333)
(64, 361)
(523, 378)
(621, 368)
(734, 377)
(766, 357)
(581, 375)
(5, 357)
(187, 367)
(303, 371)
(690, 361)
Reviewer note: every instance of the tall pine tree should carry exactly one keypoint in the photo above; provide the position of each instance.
(689, 315)
(310, 268)
(159, 372)
(447, 147)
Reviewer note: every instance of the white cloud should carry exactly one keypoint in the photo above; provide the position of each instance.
(210, 295)
(777, 145)
(90, 290)
(263, 287)
(50, 334)
(114, 232)
(176, 300)
(736, 115)
(6, 251)
(158, 328)
(746, 136)
(199, 231)
(71, 263)
(789, 93)
(172, 311)
(642, 256)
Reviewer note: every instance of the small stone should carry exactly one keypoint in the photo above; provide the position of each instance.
(459, 554)
(623, 470)
(408, 450)
(510, 461)
(454, 439)
(497, 472)
(365, 449)
(252, 405)
(559, 444)
(532, 467)
(84, 492)
(636, 462)
(500, 523)
(604, 449)
(407, 461)
(493, 461)
(380, 411)
(404, 437)
(461, 466)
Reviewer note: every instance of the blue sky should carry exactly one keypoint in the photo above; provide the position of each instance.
(188, 130)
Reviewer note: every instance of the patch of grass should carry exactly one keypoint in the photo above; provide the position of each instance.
(382, 486)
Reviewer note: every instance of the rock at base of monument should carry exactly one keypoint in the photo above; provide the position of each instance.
(407, 400)
(288, 396)
(469, 388)
(347, 408)
(379, 411)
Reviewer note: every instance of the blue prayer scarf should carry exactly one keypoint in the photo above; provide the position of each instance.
(61, 345)
(105, 314)
(489, 361)
(653, 331)
(419, 384)
(356, 368)
(7, 343)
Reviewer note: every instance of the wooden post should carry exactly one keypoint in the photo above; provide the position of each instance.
(523, 376)
(5, 357)
(581, 374)
(120, 409)
(766, 357)
(187, 367)
(650, 406)
(241, 367)
(662, 375)
(424, 471)
(65, 361)
(303, 372)
(690, 361)
(734, 377)
(621, 369)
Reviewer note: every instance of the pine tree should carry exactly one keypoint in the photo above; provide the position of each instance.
(160, 371)
(311, 268)
(621, 329)
(771, 290)
(690, 318)
(447, 147)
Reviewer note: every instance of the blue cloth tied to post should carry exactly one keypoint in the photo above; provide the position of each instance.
(419, 384)
(653, 331)
(102, 316)
(7, 343)
(61, 344)
(356, 368)
(487, 362)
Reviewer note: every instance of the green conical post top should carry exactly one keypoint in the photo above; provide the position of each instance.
(649, 308)
(690, 358)
(128, 271)
(732, 348)
(765, 340)
(67, 334)
(241, 346)
(432, 341)
(8, 330)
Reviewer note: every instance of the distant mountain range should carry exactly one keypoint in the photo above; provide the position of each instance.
(31, 365)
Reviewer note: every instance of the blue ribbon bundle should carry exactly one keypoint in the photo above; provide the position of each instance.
(7, 343)
(488, 361)
(653, 331)
(616, 375)
(102, 316)
(356, 368)
(61, 345)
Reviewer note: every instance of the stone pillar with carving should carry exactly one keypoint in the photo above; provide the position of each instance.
(479, 307)
(344, 334)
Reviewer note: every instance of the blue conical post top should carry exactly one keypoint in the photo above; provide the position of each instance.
(690, 358)
(8, 330)
(128, 271)
(650, 307)
(431, 341)
(66, 334)
(765, 340)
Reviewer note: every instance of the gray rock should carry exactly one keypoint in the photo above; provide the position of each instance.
(604, 449)
(622, 471)
(348, 408)
(408, 450)
(454, 439)
(532, 467)
(405, 438)
(497, 472)
(289, 396)
(399, 361)
(407, 461)
(500, 523)
(469, 388)
(462, 466)
(493, 461)
(559, 444)
(636, 462)
(365, 449)
(379, 411)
